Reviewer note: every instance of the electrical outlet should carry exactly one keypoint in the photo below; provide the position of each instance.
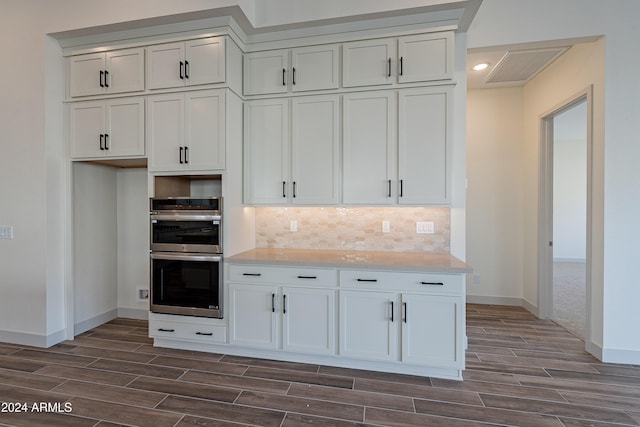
(143, 294)
(293, 225)
(425, 227)
(386, 227)
(6, 232)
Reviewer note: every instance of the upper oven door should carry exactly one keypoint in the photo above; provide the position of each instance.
(186, 233)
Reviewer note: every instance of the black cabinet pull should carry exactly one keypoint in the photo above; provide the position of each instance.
(404, 304)
(181, 150)
(401, 185)
(284, 83)
(252, 274)
(389, 191)
(102, 142)
(166, 330)
(294, 189)
(367, 280)
(432, 283)
(284, 184)
(186, 155)
(106, 78)
(391, 311)
(284, 304)
(181, 70)
(106, 141)
(389, 67)
(307, 277)
(401, 72)
(101, 78)
(186, 69)
(206, 334)
(294, 75)
(273, 303)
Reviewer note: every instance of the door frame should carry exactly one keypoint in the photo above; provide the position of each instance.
(545, 208)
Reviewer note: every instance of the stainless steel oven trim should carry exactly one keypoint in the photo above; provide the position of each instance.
(188, 311)
(184, 217)
(187, 248)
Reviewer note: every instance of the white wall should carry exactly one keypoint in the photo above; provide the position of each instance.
(570, 184)
(616, 176)
(495, 200)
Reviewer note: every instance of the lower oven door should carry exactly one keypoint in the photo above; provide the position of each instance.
(187, 284)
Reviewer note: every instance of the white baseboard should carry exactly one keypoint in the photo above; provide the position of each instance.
(575, 260)
(618, 355)
(34, 340)
(95, 321)
(512, 301)
(133, 313)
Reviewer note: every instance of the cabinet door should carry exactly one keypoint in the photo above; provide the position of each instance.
(164, 68)
(266, 152)
(308, 317)
(205, 61)
(84, 74)
(369, 325)
(425, 57)
(266, 72)
(86, 124)
(205, 130)
(165, 131)
(369, 148)
(430, 326)
(126, 70)
(423, 146)
(368, 63)
(124, 127)
(315, 150)
(314, 68)
(253, 315)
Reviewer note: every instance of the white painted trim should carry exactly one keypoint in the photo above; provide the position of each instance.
(494, 300)
(133, 313)
(34, 340)
(573, 260)
(95, 321)
(621, 355)
(594, 349)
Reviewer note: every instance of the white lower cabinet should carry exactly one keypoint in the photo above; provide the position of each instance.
(294, 318)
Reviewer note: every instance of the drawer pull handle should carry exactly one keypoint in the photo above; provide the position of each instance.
(432, 283)
(206, 334)
(307, 277)
(166, 330)
(252, 274)
(367, 280)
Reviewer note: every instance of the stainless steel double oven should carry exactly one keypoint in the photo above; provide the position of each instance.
(186, 256)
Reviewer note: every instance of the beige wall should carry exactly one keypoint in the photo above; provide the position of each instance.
(495, 198)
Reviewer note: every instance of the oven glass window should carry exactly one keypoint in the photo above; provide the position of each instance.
(186, 232)
(181, 283)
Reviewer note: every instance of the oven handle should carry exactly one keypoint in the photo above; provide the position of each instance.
(182, 217)
(185, 257)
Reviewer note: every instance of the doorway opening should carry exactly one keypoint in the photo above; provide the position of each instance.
(564, 284)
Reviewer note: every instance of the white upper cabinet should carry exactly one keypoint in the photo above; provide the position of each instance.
(369, 147)
(112, 128)
(424, 132)
(303, 169)
(190, 63)
(298, 70)
(425, 57)
(368, 63)
(187, 131)
(407, 59)
(117, 71)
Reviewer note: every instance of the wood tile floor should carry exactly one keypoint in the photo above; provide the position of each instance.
(520, 372)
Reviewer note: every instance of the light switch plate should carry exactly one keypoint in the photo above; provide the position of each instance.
(386, 227)
(6, 232)
(293, 225)
(425, 227)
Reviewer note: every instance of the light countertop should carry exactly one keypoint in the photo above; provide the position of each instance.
(373, 260)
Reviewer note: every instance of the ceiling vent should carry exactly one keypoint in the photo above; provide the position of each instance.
(517, 67)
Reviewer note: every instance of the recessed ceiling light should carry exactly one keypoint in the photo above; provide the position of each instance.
(480, 67)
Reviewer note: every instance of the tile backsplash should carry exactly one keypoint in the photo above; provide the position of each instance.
(352, 228)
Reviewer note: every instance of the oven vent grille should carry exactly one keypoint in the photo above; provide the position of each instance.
(520, 66)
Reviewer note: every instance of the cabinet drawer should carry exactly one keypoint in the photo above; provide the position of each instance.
(187, 331)
(283, 275)
(403, 282)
